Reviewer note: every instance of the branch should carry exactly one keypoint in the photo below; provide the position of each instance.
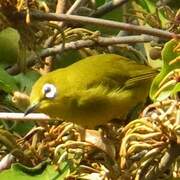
(101, 41)
(37, 15)
(124, 40)
(21, 117)
(107, 7)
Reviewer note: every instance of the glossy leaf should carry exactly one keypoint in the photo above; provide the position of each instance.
(168, 54)
(40, 172)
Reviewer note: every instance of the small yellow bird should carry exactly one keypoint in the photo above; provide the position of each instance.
(92, 91)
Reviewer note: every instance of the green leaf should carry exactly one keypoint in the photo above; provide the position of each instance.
(42, 171)
(114, 15)
(147, 5)
(9, 46)
(100, 2)
(7, 82)
(168, 54)
(26, 80)
(176, 89)
(23, 127)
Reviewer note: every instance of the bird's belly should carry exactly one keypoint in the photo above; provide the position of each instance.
(90, 120)
(96, 116)
(116, 108)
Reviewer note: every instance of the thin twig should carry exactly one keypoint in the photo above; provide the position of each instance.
(72, 9)
(75, 6)
(21, 117)
(37, 15)
(60, 9)
(107, 7)
(61, 6)
(101, 41)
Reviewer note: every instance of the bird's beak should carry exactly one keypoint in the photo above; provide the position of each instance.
(31, 108)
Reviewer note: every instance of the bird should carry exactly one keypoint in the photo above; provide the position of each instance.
(92, 91)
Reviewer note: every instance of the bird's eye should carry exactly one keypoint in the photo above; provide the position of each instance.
(49, 91)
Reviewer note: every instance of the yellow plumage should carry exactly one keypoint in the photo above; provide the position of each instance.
(92, 91)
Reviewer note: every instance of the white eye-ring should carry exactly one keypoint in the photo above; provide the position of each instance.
(49, 91)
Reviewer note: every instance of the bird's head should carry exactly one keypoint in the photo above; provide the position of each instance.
(43, 96)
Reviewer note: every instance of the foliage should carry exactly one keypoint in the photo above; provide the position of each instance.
(166, 83)
(21, 172)
(9, 46)
(147, 140)
(7, 82)
(31, 47)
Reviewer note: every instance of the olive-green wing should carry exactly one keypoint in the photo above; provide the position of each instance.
(109, 70)
(121, 73)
